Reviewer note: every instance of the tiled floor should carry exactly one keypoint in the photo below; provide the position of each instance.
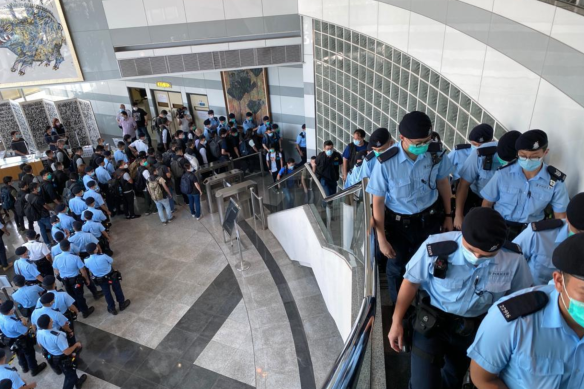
(196, 322)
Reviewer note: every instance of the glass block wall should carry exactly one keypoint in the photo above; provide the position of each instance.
(362, 82)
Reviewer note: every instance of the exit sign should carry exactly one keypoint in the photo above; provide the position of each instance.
(161, 84)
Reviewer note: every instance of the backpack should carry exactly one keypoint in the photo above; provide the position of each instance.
(176, 169)
(186, 183)
(67, 194)
(20, 202)
(6, 198)
(155, 190)
(215, 147)
(31, 212)
(243, 150)
(167, 158)
(140, 182)
(114, 188)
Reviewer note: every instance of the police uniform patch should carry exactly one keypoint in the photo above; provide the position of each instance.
(389, 154)
(437, 249)
(514, 247)
(370, 156)
(523, 305)
(486, 151)
(462, 146)
(555, 175)
(547, 224)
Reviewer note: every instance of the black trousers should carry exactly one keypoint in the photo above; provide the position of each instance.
(3, 257)
(44, 267)
(472, 201)
(19, 218)
(25, 352)
(69, 369)
(75, 290)
(514, 229)
(405, 236)
(129, 203)
(107, 293)
(303, 158)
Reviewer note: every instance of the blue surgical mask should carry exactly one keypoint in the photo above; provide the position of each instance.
(471, 258)
(473, 147)
(356, 142)
(270, 134)
(530, 164)
(328, 153)
(418, 149)
(290, 167)
(576, 309)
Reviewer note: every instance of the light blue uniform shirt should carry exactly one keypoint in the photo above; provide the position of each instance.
(120, 155)
(214, 122)
(522, 201)
(102, 175)
(93, 228)
(77, 205)
(467, 290)
(55, 342)
(472, 170)
(300, 140)
(404, 182)
(28, 296)
(68, 265)
(537, 351)
(61, 303)
(458, 157)
(27, 270)
(538, 247)
(81, 239)
(87, 178)
(109, 166)
(248, 125)
(12, 327)
(58, 319)
(98, 215)
(12, 374)
(66, 221)
(99, 264)
(96, 196)
(56, 250)
(207, 132)
(55, 229)
(355, 175)
(262, 129)
(222, 126)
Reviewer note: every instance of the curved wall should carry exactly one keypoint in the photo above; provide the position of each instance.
(523, 67)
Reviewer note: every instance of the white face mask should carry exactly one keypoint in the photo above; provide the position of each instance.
(471, 258)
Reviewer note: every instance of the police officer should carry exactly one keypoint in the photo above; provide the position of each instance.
(521, 191)
(301, 144)
(97, 230)
(379, 142)
(26, 268)
(457, 276)
(405, 184)
(60, 353)
(356, 174)
(56, 249)
(99, 202)
(60, 322)
(16, 331)
(26, 296)
(248, 124)
(263, 127)
(77, 203)
(10, 379)
(39, 253)
(539, 239)
(475, 172)
(100, 266)
(81, 239)
(483, 133)
(506, 151)
(213, 119)
(74, 275)
(533, 339)
(62, 302)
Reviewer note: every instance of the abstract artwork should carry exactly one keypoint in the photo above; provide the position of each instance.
(38, 118)
(79, 122)
(246, 91)
(35, 45)
(12, 119)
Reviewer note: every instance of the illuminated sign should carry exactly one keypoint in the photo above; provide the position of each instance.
(161, 84)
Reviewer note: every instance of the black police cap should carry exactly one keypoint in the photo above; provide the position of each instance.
(77, 189)
(485, 229)
(248, 114)
(60, 207)
(304, 126)
(6, 307)
(89, 169)
(77, 225)
(91, 247)
(506, 146)
(54, 219)
(532, 140)
(49, 280)
(47, 298)
(481, 133)
(21, 250)
(5, 383)
(207, 122)
(43, 321)
(415, 125)
(99, 160)
(210, 112)
(18, 280)
(232, 116)
(31, 234)
(575, 212)
(379, 137)
(59, 236)
(569, 256)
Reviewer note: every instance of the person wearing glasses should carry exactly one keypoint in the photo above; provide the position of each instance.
(406, 183)
(520, 191)
(455, 277)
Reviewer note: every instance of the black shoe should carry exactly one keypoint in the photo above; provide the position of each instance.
(81, 381)
(98, 295)
(129, 217)
(25, 370)
(87, 313)
(125, 304)
(39, 368)
(113, 311)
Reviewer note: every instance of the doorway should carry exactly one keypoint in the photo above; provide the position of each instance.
(140, 96)
(169, 101)
(199, 106)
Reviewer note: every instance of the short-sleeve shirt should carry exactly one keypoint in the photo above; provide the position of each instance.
(96, 196)
(103, 176)
(66, 221)
(68, 265)
(58, 319)
(20, 145)
(119, 155)
(98, 215)
(248, 125)
(7, 372)
(472, 170)
(99, 264)
(28, 295)
(523, 201)
(26, 269)
(55, 342)
(458, 157)
(37, 250)
(12, 327)
(139, 116)
(77, 205)
(56, 249)
(301, 139)
(347, 151)
(93, 228)
(139, 145)
(61, 303)
(81, 239)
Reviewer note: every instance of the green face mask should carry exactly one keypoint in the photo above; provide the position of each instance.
(502, 162)
(576, 309)
(418, 149)
(570, 233)
(377, 153)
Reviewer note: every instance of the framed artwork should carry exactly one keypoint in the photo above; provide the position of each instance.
(247, 91)
(35, 45)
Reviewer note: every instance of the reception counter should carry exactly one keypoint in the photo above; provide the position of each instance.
(10, 166)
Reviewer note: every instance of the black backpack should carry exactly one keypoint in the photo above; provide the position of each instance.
(6, 197)
(187, 183)
(140, 183)
(31, 213)
(215, 147)
(114, 188)
(243, 150)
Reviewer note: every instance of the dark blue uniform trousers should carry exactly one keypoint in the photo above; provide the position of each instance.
(107, 293)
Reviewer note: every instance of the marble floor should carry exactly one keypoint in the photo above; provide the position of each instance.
(197, 322)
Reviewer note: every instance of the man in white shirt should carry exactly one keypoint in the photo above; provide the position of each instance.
(139, 145)
(39, 253)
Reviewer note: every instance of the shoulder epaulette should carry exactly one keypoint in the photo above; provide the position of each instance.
(547, 224)
(358, 164)
(514, 247)
(55, 333)
(486, 151)
(10, 368)
(555, 175)
(462, 146)
(523, 305)
(434, 147)
(389, 154)
(438, 249)
(370, 156)
(13, 318)
(509, 164)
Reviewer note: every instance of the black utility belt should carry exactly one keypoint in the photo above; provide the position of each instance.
(30, 283)
(77, 281)
(433, 211)
(429, 319)
(111, 276)
(516, 224)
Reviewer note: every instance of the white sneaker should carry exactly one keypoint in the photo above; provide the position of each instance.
(194, 216)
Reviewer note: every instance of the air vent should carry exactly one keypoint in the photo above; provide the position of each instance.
(231, 59)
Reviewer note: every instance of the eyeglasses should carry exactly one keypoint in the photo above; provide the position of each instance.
(525, 159)
(427, 142)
